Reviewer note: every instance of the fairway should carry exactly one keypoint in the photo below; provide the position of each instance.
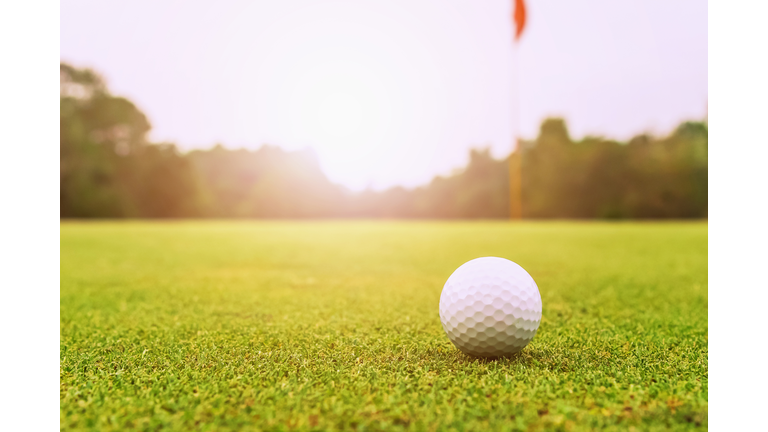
(248, 325)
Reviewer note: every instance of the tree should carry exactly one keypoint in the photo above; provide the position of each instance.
(107, 167)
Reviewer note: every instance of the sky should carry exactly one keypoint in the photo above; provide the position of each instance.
(393, 92)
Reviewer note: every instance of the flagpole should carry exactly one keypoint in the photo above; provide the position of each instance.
(515, 165)
(516, 157)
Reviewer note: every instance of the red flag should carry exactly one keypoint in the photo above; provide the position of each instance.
(518, 16)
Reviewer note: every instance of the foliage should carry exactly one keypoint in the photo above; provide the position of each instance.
(109, 170)
(481, 190)
(333, 325)
(107, 167)
(268, 182)
(595, 178)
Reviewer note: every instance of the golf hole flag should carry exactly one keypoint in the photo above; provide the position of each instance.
(518, 16)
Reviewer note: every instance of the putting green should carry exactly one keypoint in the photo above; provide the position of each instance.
(242, 325)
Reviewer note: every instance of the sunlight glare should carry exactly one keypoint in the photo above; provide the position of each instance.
(341, 110)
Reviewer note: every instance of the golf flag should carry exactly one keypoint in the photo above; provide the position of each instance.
(518, 16)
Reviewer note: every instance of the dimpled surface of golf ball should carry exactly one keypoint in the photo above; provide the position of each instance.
(490, 307)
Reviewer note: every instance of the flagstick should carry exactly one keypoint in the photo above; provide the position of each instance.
(516, 157)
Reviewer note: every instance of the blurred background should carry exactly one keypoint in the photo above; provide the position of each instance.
(393, 109)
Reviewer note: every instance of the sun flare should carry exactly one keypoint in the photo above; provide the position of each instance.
(342, 111)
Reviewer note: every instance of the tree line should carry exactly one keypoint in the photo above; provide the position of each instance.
(110, 170)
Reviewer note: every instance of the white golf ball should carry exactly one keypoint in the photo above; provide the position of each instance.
(490, 307)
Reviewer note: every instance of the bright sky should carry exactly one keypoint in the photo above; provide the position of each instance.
(393, 91)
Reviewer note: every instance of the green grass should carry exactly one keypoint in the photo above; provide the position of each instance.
(334, 325)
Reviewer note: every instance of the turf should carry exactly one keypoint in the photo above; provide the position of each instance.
(334, 325)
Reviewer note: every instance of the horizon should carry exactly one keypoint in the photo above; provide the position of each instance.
(454, 171)
(404, 105)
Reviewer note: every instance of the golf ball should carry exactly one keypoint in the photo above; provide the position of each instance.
(490, 307)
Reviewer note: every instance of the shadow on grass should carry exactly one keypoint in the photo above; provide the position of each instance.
(532, 358)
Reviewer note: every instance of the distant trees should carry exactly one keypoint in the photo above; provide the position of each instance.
(597, 178)
(266, 183)
(108, 169)
(481, 190)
